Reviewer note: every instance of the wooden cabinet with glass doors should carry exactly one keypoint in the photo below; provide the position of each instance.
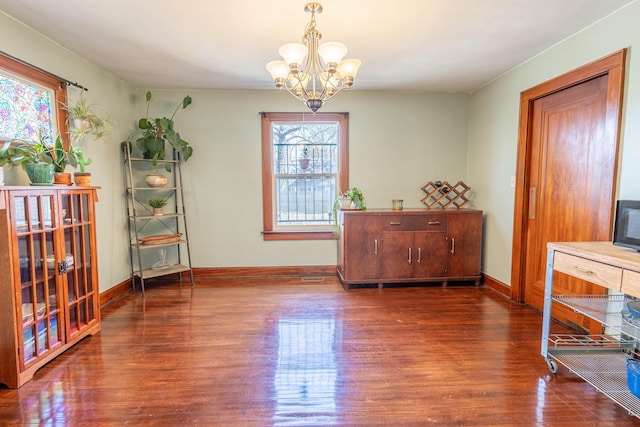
(49, 281)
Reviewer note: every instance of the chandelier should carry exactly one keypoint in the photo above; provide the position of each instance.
(324, 74)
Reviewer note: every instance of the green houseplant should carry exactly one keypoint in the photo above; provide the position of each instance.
(61, 159)
(86, 121)
(154, 133)
(76, 158)
(37, 159)
(353, 198)
(157, 203)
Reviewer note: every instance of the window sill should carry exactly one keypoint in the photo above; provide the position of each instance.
(298, 235)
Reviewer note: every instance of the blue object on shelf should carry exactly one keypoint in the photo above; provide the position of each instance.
(634, 308)
(633, 376)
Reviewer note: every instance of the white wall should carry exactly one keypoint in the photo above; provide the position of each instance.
(398, 142)
(493, 127)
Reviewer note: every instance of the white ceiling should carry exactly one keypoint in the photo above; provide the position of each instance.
(433, 45)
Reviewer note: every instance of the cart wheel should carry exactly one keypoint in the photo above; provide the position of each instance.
(553, 366)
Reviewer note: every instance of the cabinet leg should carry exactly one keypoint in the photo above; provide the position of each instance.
(380, 285)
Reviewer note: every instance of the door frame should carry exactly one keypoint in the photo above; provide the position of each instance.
(612, 65)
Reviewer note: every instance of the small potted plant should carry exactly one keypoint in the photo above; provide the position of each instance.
(354, 194)
(157, 203)
(61, 159)
(350, 199)
(86, 121)
(304, 158)
(76, 158)
(153, 133)
(35, 158)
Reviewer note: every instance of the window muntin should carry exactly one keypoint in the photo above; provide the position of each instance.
(304, 168)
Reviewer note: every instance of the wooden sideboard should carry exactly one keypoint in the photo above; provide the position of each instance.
(379, 246)
(599, 359)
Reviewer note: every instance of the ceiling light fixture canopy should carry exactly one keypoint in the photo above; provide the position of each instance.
(324, 74)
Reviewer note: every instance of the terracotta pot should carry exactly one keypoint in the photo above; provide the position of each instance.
(157, 211)
(62, 178)
(82, 179)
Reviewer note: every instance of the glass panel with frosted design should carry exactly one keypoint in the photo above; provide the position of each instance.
(26, 110)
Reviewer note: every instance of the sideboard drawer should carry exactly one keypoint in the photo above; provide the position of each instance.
(429, 222)
(631, 283)
(592, 271)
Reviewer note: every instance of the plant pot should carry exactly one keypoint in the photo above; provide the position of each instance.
(81, 124)
(304, 163)
(155, 180)
(39, 174)
(157, 211)
(82, 179)
(345, 203)
(62, 178)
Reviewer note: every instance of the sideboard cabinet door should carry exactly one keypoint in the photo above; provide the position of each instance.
(359, 246)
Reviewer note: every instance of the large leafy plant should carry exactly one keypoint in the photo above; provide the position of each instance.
(156, 132)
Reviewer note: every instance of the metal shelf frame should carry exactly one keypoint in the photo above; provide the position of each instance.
(140, 218)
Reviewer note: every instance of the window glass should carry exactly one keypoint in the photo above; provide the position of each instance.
(25, 110)
(305, 164)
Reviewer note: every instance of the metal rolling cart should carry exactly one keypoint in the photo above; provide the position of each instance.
(599, 359)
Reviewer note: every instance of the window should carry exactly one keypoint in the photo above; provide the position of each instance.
(30, 102)
(304, 167)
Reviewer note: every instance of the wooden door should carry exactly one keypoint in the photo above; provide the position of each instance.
(464, 231)
(398, 257)
(566, 174)
(362, 235)
(431, 254)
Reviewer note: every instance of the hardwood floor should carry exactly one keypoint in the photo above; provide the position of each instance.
(287, 352)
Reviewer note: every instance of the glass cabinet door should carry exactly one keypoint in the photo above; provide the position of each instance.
(80, 289)
(39, 293)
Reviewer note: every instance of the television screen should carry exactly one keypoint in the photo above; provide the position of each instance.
(633, 224)
(626, 231)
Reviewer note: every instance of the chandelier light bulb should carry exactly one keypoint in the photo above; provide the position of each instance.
(332, 52)
(349, 68)
(278, 69)
(293, 54)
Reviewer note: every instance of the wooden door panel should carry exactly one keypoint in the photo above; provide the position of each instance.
(570, 182)
(397, 262)
(363, 255)
(431, 255)
(466, 247)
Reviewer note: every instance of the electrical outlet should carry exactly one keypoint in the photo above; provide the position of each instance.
(513, 181)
